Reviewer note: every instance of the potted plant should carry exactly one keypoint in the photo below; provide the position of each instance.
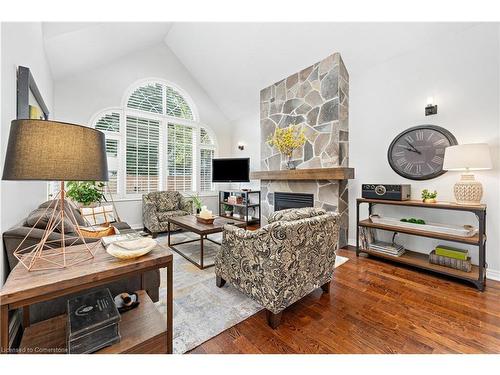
(85, 193)
(228, 210)
(197, 203)
(429, 197)
(286, 140)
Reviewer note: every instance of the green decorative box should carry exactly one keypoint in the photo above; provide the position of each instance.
(451, 252)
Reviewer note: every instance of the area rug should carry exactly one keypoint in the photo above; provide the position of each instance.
(201, 310)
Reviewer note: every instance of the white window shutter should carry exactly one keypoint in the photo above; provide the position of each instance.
(148, 98)
(206, 156)
(142, 155)
(179, 158)
(109, 123)
(177, 106)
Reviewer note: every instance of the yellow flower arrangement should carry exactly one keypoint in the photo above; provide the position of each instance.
(287, 139)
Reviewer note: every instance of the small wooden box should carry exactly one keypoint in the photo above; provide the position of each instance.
(92, 322)
(205, 221)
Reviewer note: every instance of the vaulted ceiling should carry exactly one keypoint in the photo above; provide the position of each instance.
(233, 61)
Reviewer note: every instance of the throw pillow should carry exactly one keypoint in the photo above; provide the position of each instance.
(168, 201)
(40, 217)
(69, 209)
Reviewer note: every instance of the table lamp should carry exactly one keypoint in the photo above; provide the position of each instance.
(43, 150)
(467, 157)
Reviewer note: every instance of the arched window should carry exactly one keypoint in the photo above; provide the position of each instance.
(156, 142)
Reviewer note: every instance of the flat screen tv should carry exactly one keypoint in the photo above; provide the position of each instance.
(231, 170)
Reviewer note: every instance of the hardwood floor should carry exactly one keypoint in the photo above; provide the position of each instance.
(375, 306)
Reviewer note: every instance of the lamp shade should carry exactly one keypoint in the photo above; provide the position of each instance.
(54, 151)
(474, 156)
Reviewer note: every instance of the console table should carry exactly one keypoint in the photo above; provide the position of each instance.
(143, 329)
(419, 260)
(224, 194)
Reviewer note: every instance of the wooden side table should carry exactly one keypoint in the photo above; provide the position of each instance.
(143, 330)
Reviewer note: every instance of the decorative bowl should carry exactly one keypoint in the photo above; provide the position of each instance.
(129, 249)
(205, 221)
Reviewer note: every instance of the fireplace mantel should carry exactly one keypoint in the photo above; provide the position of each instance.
(338, 173)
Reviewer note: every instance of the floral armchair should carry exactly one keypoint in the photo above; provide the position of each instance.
(282, 262)
(158, 206)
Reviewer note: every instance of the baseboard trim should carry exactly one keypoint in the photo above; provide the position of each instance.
(491, 274)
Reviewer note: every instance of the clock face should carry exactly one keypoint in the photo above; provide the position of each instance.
(418, 152)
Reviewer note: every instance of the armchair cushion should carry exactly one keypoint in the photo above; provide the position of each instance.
(292, 214)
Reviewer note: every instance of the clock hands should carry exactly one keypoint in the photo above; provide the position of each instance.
(413, 148)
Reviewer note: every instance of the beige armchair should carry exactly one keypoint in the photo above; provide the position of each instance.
(282, 262)
(158, 206)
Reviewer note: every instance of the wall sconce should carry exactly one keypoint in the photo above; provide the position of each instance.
(241, 146)
(431, 108)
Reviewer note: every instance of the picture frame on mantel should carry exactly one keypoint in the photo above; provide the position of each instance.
(30, 103)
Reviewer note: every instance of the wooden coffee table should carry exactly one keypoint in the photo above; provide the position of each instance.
(190, 224)
(143, 330)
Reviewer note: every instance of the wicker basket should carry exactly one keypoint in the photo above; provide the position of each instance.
(462, 265)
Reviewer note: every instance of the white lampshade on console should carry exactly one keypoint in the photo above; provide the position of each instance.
(467, 157)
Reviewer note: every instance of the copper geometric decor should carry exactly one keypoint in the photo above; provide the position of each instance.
(55, 253)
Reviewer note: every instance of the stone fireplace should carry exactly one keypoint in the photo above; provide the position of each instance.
(317, 100)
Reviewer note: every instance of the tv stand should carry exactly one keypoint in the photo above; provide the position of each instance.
(240, 211)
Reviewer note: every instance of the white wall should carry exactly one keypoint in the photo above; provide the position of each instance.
(462, 72)
(247, 132)
(22, 44)
(80, 96)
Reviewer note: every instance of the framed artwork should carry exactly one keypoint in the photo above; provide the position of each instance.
(30, 104)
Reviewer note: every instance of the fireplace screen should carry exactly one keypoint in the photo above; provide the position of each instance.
(283, 201)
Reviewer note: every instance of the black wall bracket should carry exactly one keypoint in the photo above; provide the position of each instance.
(431, 110)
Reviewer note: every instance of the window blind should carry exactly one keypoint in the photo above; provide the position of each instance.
(112, 182)
(142, 155)
(206, 156)
(179, 158)
(177, 105)
(205, 137)
(112, 148)
(109, 123)
(147, 98)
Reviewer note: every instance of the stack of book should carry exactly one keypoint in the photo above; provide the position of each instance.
(388, 248)
(451, 257)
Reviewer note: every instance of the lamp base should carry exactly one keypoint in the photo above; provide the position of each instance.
(56, 253)
(468, 191)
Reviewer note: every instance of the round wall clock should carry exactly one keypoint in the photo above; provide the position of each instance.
(418, 152)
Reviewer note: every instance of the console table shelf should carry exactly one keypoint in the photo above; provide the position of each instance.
(474, 240)
(143, 330)
(420, 260)
(246, 218)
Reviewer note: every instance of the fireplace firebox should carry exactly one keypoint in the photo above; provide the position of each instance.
(283, 201)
